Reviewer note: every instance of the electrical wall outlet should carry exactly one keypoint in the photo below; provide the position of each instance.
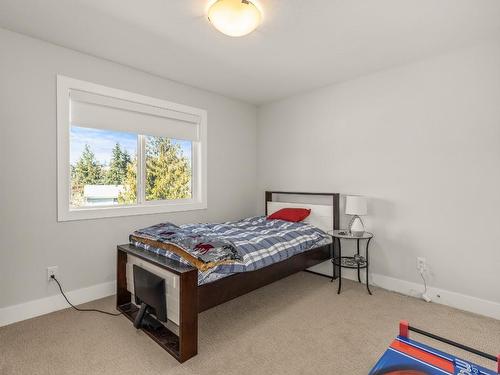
(52, 271)
(421, 264)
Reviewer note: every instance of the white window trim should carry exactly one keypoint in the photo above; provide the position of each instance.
(199, 157)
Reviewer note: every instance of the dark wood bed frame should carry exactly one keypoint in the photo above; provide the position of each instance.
(194, 299)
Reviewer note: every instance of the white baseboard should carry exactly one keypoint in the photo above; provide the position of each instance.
(441, 296)
(31, 309)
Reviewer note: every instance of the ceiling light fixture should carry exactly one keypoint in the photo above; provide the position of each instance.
(234, 17)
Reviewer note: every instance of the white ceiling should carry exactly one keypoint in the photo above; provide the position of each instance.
(301, 45)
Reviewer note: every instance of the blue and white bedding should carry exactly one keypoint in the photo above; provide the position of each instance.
(259, 243)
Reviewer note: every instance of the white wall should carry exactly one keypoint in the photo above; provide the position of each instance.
(423, 143)
(30, 237)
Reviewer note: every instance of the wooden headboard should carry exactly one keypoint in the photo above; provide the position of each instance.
(325, 217)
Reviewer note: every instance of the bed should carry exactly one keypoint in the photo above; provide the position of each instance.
(193, 287)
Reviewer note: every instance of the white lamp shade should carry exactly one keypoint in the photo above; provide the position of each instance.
(355, 205)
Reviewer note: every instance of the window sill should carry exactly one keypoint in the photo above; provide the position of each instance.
(118, 211)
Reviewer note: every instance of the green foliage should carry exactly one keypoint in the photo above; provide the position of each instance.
(168, 173)
(129, 194)
(120, 160)
(87, 171)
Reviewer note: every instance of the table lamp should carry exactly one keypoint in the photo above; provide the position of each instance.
(355, 205)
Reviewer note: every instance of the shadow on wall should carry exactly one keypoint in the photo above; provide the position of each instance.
(391, 248)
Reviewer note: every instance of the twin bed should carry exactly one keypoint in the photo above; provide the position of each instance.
(204, 265)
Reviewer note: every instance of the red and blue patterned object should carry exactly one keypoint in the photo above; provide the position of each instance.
(408, 357)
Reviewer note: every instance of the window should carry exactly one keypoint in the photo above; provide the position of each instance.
(121, 153)
(103, 166)
(168, 169)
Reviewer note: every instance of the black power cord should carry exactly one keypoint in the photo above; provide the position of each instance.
(77, 308)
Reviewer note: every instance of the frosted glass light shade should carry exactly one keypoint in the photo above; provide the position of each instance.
(234, 17)
(355, 205)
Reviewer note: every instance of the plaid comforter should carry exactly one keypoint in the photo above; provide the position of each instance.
(259, 241)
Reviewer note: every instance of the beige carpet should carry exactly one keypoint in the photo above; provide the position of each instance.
(298, 325)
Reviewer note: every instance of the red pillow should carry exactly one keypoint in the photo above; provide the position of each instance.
(290, 214)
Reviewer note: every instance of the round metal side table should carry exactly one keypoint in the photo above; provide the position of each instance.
(353, 262)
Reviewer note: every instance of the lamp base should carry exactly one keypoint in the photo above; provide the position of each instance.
(356, 227)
